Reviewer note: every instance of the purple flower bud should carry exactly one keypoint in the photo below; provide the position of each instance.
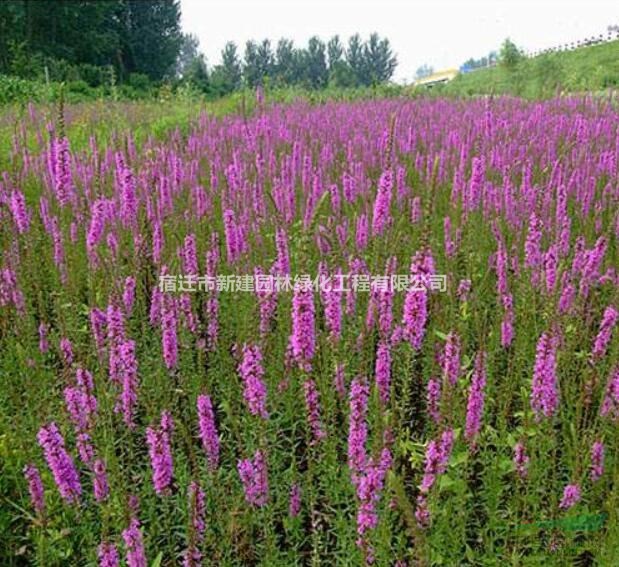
(597, 461)
(382, 215)
(160, 452)
(437, 457)
(253, 474)
(609, 320)
(312, 404)
(208, 430)
(383, 371)
(357, 426)
(521, 460)
(134, 543)
(294, 506)
(108, 555)
(100, 484)
(252, 375)
(571, 496)
(129, 294)
(19, 211)
(35, 487)
(303, 339)
(60, 463)
(544, 394)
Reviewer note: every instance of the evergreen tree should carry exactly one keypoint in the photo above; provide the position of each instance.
(355, 58)
(380, 62)
(335, 51)
(190, 50)
(231, 67)
(316, 63)
(510, 55)
(286, 63)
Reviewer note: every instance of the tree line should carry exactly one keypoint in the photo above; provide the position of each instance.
(317, 65)
(140, 43)
(83, 39)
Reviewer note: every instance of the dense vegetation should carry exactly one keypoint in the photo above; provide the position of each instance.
(475, 425)
(129, 48)
(80, 40)
(587, 69)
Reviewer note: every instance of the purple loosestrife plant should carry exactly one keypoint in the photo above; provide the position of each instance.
(197, 511)
(382, 204)
(544, 386)
(107, 554)
(35, 488)
(597, 461)
(128, 398)
(357, 426)
(253, 474)
(369, 487)
(134, 544)
(168, 331)
(60, 463)
(609, 320)
(339, 381)
(415, 310)
(475, 405)
(433, 399)
(571, 496)
(303, 338)
(312, 406)
(451, 359)
(20, 212)
(437, 457)
(160, 452)
(43, 342)
(383, 371)
(521, 460)
(610, 403)
(294, 502)
(251, 372)
(129, 294)
(208, 431)
(100, 483)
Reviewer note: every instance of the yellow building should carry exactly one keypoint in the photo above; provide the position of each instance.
(437, 78)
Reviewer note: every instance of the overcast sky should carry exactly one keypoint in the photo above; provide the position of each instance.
(441, 33)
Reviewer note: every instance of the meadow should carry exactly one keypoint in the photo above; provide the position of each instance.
(160, 407)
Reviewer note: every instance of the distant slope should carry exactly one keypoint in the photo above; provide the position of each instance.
(585, 69)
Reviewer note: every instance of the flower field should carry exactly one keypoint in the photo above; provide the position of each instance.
(205, 358)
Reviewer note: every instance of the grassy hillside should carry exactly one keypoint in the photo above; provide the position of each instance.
(587, 69)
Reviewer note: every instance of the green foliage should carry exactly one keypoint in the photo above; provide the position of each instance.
(76, 41)
(592, 69)
(510, 55)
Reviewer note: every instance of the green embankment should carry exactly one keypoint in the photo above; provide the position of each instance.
(591, 69)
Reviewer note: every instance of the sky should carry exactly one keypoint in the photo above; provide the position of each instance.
(440, 33)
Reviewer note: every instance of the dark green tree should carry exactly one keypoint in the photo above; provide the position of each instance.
(231, 70)
(190, 50)
(152, 37)
(380, 61)
(251, 68)
(131, 35)
(258, 62)
(286, 62)
(355, 58)
(315, 65)
(335, 51)
(510, 55)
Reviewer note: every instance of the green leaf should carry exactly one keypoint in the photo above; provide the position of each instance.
(157, 561)
(440, 335)
(446, 482)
